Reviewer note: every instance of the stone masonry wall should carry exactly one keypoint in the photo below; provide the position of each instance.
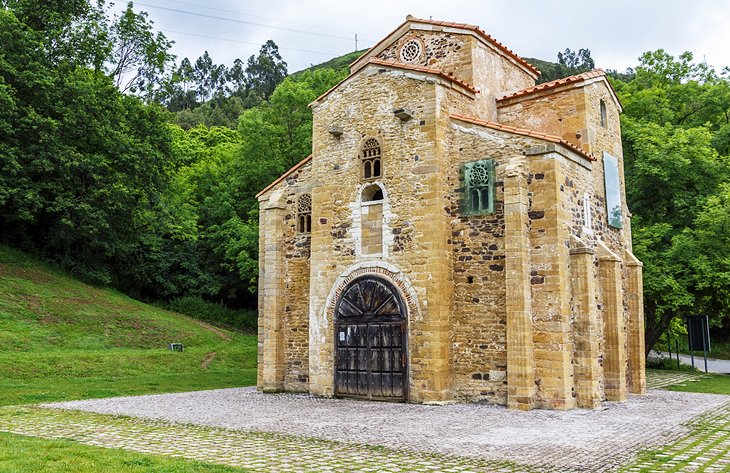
(469, 60)
(479, 271)
(456, 266)
(574, 114)
(495, 76)
(443, 51)
(295, 273)
(414, 221)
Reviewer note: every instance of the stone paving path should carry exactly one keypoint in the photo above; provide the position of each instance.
(657, 379)
(698, 444)
(257, 451)
(571, 441)
(706, 449)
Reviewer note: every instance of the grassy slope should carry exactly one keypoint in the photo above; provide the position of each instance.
(62, 339)
(336, 63)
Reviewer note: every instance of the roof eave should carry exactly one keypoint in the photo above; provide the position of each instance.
(458, 85)
(524, 132)
(284, 176)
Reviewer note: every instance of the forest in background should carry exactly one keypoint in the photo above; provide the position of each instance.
(134, 170)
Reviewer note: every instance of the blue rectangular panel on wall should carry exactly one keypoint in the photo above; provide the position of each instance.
(613, 190)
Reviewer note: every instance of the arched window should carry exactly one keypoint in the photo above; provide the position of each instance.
(372, 193)
(371, 160)
(602, 104)
(304, 214)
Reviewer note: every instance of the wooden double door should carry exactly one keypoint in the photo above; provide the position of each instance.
(371, 342)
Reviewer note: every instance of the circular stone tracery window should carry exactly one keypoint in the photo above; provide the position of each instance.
(411, 51)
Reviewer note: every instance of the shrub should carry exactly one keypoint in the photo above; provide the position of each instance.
(216, 314)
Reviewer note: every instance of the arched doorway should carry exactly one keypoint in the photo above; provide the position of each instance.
(370, 341)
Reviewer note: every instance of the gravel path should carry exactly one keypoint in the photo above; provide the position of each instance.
(576, 440)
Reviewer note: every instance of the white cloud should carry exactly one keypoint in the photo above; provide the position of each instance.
(616, 32)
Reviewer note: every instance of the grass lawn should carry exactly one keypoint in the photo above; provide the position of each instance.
(711, 384)
(19, 454)
(62, 339)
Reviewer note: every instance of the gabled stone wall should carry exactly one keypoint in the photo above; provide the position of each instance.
(533, 305)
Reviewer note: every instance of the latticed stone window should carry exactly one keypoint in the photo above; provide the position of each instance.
(304, 213)
(372, 167)
(411, 51)
(479, 187)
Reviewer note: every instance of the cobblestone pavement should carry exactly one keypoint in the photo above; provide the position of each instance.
(573, 440)
(661, 432)
(255, 451)
(706, 449)
(656, 379)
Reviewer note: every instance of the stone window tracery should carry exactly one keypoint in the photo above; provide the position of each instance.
(411, 51)
(304, 214)
(372, 167)
(479, 187)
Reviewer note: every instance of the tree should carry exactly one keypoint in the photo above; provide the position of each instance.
(581, 60)
(677, 169)
(265, 71)
(569, 63)
(138, 57)
(236, 77)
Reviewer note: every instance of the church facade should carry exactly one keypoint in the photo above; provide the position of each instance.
(457, 234)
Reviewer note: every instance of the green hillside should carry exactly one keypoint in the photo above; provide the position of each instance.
(336, 63)
(62, 339)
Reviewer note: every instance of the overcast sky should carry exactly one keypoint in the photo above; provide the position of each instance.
(313, 31)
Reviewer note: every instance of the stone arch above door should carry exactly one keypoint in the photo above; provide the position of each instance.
(379, 268)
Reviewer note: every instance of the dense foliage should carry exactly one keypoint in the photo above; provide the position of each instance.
(107, 184)
(676, 125)
(135, 171)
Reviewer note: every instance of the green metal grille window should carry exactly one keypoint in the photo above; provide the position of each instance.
(479, 187)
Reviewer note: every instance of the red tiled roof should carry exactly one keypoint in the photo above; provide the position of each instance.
(410, 67)
(524, 132)
(284, 176)
(462, 26)
(559, 82)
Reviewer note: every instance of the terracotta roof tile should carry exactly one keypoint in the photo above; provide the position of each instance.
(411, 67)
(524, 132)
(556, 83)
(285, 175)
(463, 26)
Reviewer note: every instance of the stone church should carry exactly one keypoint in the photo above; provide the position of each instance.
(457, 234)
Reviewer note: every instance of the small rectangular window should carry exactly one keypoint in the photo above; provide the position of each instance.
(587, 217)
(479, 191)
(613, 190)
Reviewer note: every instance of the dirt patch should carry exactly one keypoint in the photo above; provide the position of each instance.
(50, 319)
(35, 305)
(30, 274)
(215, 330)
(208, 360)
